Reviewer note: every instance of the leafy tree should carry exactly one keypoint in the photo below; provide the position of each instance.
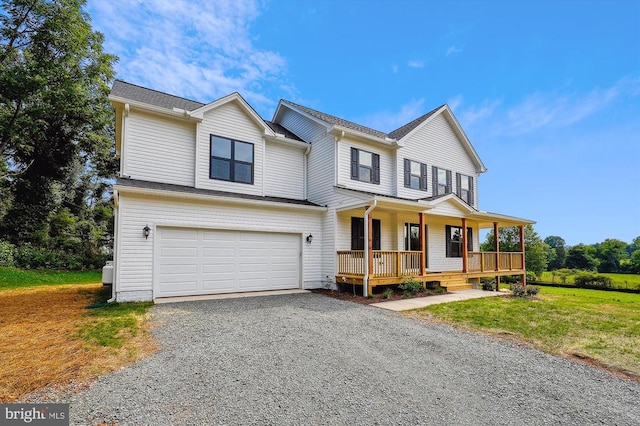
(557, 252)
(634, 262)
(634, 246)
(610, 253)
(54, 111)
(581, 257)
(536, 251)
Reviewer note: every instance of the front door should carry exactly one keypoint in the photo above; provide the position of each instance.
(412, 240)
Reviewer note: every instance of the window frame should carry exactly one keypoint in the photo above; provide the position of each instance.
(454, 247)
(357, 233)
(356, 165)
(448, 187)
(408, 175)
(232, 161)
(468, 195)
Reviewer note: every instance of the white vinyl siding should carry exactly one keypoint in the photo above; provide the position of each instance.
(436, 144)
(159, 149)
(306, 129)
(135, 268)
(230, 121)
(387, 231)
(284, 171)
(344, 168)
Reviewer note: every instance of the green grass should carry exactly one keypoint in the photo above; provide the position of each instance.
(112, 324)
(630, 281)
(11, 278)
(602, 326)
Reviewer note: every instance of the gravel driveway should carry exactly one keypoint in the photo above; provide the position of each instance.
(308, 359)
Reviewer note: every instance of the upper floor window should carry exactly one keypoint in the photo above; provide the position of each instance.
(454, 240)
(441, 181)
(415, 175)
(365, 166)
(465, 188)
(231, 160)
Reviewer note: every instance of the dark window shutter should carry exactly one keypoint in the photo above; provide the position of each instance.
(434, 180)
(407, 173)
(448, 182)
(423, 177)
(459, 185)
(376, 168)
(471, 194)
(357, 233)
(354, 163)
(376, 234)
(469, 239)
(448, 240)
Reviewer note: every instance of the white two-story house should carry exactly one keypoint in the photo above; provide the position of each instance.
(212, 198)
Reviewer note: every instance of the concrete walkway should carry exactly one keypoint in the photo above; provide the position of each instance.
(421, 302)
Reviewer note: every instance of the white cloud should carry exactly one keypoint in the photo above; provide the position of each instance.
(455, 102)
(452, 49)
(416, 64)
(394, 68)
(539, 109)
(197, 50)
(387, 121)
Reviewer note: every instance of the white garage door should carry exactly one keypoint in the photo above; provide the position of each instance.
(195, 261)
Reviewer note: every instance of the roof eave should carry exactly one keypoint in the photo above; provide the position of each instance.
(340, 131)
(213, 198)
(176, 113)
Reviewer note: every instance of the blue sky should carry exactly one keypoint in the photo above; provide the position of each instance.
(548, 92)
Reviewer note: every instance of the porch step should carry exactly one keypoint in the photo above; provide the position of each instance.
(456, 285)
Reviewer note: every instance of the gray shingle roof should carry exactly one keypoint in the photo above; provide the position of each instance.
(135, 183)
(401, 132)
(153, 97)
(336, 121)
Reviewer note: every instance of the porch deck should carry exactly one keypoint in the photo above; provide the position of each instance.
(393, 267)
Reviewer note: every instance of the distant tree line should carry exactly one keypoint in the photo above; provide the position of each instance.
(552, 253)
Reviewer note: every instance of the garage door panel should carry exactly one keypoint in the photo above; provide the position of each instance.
(192, 261)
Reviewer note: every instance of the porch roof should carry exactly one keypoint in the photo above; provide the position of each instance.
(361, 199)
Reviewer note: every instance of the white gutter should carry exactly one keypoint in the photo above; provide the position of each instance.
(365, 279)
(152, 108)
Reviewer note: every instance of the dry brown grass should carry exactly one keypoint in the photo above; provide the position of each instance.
(39, 346)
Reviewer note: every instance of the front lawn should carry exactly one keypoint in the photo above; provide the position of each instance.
(51, 338)
(626, 281)
(599, 327)
(17, 278)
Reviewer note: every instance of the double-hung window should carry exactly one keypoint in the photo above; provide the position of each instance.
(441, 181)
(365, 166)
(231, 160)
(465, 188)
(454, 240)
(415, 175)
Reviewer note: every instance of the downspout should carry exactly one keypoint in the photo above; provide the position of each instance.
(116, 228)
(365, 279)
(306, 172)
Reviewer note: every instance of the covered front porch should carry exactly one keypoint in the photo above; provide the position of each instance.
(430, 241)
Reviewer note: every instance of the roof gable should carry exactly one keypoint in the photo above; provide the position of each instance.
(406, 131)
(236, 98)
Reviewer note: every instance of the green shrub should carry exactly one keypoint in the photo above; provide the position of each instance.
(7, 251)
(519, 290)
(410, 286)
(488, 285)
(387, 293)
(589, 280)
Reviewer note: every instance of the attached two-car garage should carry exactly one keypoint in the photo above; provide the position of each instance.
(207, 261)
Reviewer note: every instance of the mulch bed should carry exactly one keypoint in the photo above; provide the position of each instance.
(376, 298)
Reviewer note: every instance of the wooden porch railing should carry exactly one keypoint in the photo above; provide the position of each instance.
(386, 263)
(491, 261)
(391, 263)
